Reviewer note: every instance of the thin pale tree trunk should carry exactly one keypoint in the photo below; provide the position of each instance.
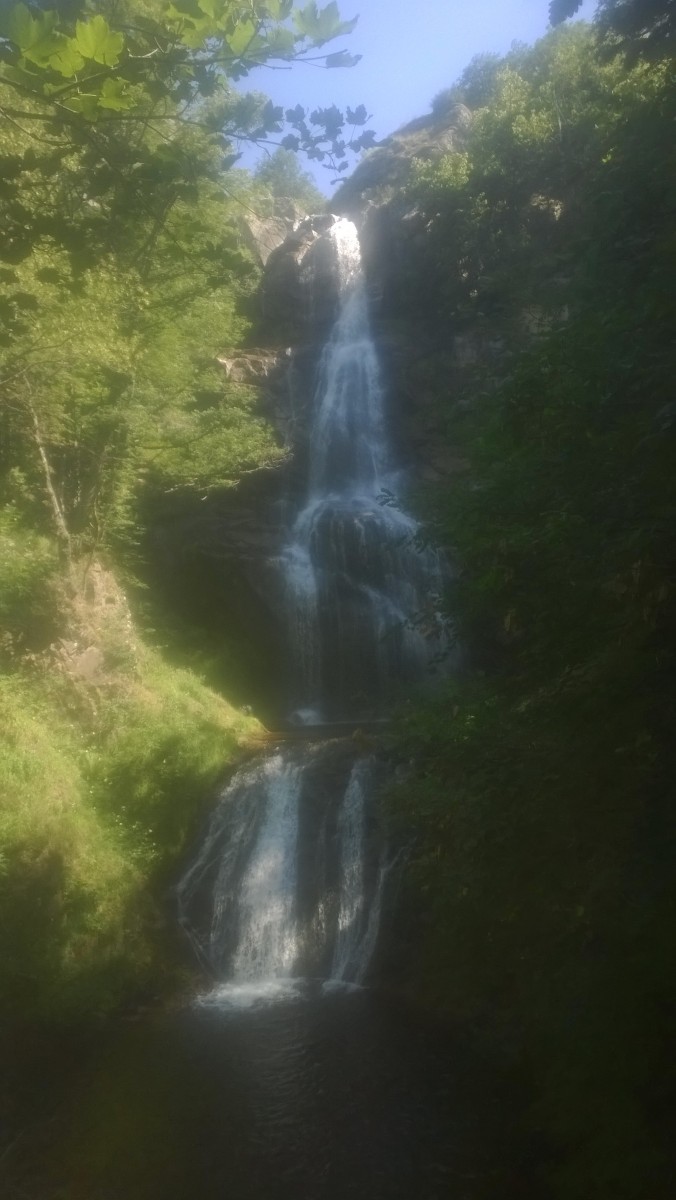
(63, 533)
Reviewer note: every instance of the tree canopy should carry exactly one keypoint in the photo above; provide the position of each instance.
(124, 266)
(124, 271)
(111, 88)
(282, 175)
(634, 27)
(542, 798)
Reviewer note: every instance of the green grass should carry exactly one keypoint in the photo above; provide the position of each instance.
(95, 811)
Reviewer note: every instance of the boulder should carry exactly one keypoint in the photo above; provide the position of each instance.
(254, 366)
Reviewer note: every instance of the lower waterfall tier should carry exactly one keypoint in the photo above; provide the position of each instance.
(288, 880)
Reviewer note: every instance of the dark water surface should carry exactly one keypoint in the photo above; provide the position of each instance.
(315, 1099)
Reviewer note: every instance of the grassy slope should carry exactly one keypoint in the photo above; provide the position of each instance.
(107, 757)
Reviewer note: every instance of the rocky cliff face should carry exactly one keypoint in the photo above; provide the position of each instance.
(382, 174)
(298, 291)
(392, 228)
(263, 234)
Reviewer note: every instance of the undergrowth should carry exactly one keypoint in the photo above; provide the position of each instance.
(102, 782)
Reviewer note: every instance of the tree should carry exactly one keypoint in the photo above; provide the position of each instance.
(636, 28)
(474, 87)
(285, 179)
(111, 82)
(117, 204)
(541, 813)
(563, 10)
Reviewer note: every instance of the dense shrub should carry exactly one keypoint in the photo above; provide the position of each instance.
(543, 867)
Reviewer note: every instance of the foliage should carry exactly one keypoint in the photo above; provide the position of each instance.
(27, 567)
(544, 860)
(126, 107)
(110, 374)
(563, 10)
(281, 175)
(635, 28)
(474, 87)
(124, 267)
(95, 811)
(123, 274)
(505, 206)
(116, 386)
(101, 62)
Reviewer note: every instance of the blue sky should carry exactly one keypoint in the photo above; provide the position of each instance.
(411, 50)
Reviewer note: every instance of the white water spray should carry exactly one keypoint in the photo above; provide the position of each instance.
(355, 579)
(267, 947)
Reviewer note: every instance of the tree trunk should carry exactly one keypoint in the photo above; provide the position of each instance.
(60, 523)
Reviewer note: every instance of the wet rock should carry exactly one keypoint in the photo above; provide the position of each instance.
(252, 366)
(299, 291)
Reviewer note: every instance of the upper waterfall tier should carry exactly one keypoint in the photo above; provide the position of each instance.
(348, 445)
(361, 595)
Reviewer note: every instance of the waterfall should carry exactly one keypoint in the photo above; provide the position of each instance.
(356, 926)
(288, 883)
(357, 584)
(240, 901)
(267, 945)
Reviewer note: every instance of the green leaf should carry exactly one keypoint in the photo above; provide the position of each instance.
(280, 43)
(22, 29)
(36, 37)
(193, 29)
(342, 59)
(241, 38)
(323, 24)
(95, 39)
(279, 10)
(42, 51)
(66, 58)
(85, 103)
(193, 35)
(114, 95)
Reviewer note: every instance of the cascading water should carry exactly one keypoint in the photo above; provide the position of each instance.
(267, 938)
(353, 945)
(358, 587)
(287, 882)
(289, 879)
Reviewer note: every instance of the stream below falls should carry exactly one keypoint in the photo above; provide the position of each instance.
(321, 1098)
